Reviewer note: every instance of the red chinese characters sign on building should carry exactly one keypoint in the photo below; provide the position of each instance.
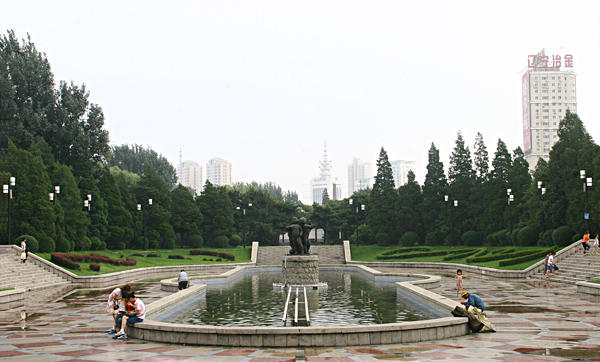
(542, 60)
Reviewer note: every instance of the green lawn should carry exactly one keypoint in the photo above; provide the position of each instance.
(2, 290)
(241, 256)
(370, 252)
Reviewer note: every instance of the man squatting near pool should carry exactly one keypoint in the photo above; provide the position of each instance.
(184, 280)
(472, 300)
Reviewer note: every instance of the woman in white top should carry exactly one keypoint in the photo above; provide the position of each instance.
(24, 247)
(112, 306)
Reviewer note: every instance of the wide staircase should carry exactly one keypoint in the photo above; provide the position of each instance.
(328, 254)
(33, 278)
(575, 268)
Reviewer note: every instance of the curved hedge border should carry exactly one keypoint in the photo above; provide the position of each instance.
(212, 253)
(482, 259)
(522, 259)
(405, 250)
(412, 255)
(479, 254)
(459, 254)
(503, 251)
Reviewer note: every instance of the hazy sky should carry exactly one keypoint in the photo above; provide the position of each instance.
(264, 84)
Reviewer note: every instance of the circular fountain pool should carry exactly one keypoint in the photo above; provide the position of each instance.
(349, 299)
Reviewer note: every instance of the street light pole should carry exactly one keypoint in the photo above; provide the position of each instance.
(53, 196)
(243, 208)
(543, 191)
(510, 199)
(586, 183)
(358, 208)
(8, 190)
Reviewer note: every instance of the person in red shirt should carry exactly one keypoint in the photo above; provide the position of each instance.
(586, 243)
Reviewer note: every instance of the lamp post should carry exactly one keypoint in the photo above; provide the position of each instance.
(88, 203)
(586, 183)
(53, 196)
(359, 207)
(511, 198)
(446, 199)
(139, 207)
(8, 190)
(542, 192)
(243, 208)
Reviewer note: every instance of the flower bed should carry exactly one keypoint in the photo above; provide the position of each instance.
(212, 253)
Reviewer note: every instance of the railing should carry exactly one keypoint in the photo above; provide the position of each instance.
(296, 301)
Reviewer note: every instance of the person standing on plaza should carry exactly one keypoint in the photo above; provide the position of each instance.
(586, 243)
(184, 280)
(459, 282)
(551, 266)
(24, 247)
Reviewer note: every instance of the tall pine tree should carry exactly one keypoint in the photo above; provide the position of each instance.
(382, 213)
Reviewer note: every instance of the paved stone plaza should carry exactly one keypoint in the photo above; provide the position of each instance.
(536, 321)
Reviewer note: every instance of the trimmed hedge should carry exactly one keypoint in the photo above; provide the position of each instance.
(175, 256)
(482, 259)
(479, 254)
(212, 253)
(95, 258)
(95, 267)
(459, 254)
(412, 255)
(522, 259)
(503, 251)
(405, 250)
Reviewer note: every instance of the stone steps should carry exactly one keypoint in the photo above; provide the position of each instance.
(575, 268)
(29, 276)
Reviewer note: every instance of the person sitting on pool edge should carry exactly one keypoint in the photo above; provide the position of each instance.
(472, 300)
(138, 315)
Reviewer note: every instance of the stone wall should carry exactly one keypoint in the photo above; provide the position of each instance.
(328, 254)
(301, 269)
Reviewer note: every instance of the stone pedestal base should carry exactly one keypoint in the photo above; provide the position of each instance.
(300, 269)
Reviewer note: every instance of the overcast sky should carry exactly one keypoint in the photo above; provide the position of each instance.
(263, 84)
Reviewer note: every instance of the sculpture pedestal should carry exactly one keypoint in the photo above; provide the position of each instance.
(300, 269)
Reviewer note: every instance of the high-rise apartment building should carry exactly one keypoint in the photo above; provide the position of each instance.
(325, 182)
(400, 169)
(218, 172)
(190, 175)
(360, 175)
(548, 92)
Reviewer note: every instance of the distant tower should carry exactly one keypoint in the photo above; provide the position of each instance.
(190, 174)
(218, 172)
(400, 170)
(325, 181)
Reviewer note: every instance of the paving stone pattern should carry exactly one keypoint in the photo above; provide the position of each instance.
(273, 255)
(536, 321)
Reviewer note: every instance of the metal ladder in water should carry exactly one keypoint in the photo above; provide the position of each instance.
(296, 300)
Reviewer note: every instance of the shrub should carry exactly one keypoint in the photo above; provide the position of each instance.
(153, 255)
(528, 236)
(195, 241)
(83, 244)
(212, 253)
(503, 238)
(503, 251)
(576, 237)
(235, 240)
(562, 236)
(365, 235)
(498, 256)
(174, 256)
(96, 243)
(47, 244)
(383, 239)
(63, 245)
(546, 239)
(137, 254)
(489, 240)
(514, 236)
(471, 238)
(168, 243)
(410, 238)
(480, 253)
(433, 238)
(406, 250)
(95, 267)
(219, 259)
(32, 242)
(221, 242)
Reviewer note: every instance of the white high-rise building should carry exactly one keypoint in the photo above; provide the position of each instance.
(360, 175)
(325, 182)
(548, 92)
(218, 172)
(190, 175)
(400, 169)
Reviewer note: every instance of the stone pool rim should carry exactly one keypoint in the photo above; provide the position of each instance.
(267, 337)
